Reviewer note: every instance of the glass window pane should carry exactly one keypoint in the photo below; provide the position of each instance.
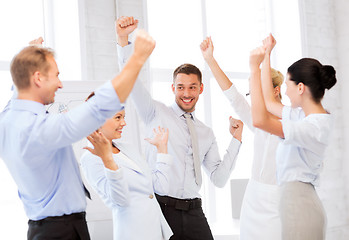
(63, 18)
(236, 27)
(177, 28)
(20, 22)
(221, 110)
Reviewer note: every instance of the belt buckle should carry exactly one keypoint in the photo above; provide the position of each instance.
(182, 205)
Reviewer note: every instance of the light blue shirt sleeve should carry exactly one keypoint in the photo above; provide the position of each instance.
(53, 131)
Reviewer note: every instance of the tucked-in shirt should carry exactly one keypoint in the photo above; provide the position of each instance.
(36, 148)
(129, 192)
(182, 176)
(265, 144)
(300, 154)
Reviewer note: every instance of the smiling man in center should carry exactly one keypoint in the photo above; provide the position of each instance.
(191, 143)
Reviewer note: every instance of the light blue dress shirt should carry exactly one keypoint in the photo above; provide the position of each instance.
(37, 149)
(182, 176)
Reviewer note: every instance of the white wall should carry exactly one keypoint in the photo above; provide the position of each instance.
(326, 34)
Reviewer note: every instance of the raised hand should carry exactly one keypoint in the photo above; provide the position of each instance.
(37, 41)
(207, 48)
(256, 57)
(269, 43)
(235, 128)
(124, 27)
(160, 139)
(144, 45)
(102, 147)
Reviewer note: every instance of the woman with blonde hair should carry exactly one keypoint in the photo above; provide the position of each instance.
(260, 208)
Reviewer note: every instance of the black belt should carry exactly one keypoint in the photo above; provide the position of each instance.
(180, 204)
(70, 217)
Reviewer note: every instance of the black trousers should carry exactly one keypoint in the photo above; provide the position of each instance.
(186, 218)
(66, 227)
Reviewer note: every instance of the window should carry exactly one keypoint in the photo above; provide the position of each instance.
(236, 28)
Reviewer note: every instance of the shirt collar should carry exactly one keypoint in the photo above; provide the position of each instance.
(179, 112)
(27, 105)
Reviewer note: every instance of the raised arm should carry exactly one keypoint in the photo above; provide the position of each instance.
(261, 117)
(102, 172)
(272, 105)
(103, 149)
(219, 170)
(124, 27)
(163, 161)
(143, 47)
(141, 98)
(207, 52)
(236, 99)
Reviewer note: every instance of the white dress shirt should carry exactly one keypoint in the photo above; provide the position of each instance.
(259, 218)
(182, 176)
(300, 154)
(265, 144)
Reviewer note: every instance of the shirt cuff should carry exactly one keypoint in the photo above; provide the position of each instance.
(114, 174)
(164, 158)
(234, 145)
(106, 94)
(230, 93)
(124, 52)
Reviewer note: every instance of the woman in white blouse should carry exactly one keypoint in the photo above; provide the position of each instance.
(124, 181)
(304, 130)
(260, 217)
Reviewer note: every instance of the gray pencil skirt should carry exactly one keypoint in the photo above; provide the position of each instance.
(301, 211)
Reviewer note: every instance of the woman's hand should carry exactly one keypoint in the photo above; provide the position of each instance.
(256, 58)
(102, 148)
(160, 139)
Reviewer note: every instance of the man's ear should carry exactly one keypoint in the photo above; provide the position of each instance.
(36, 79)
(201, 88)
(173, 88)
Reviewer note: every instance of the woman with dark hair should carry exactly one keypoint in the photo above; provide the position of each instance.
(304, 130)
(125, 182)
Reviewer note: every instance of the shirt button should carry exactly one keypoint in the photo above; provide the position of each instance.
(151, 196)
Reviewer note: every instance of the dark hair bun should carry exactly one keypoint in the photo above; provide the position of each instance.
(328, 76)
